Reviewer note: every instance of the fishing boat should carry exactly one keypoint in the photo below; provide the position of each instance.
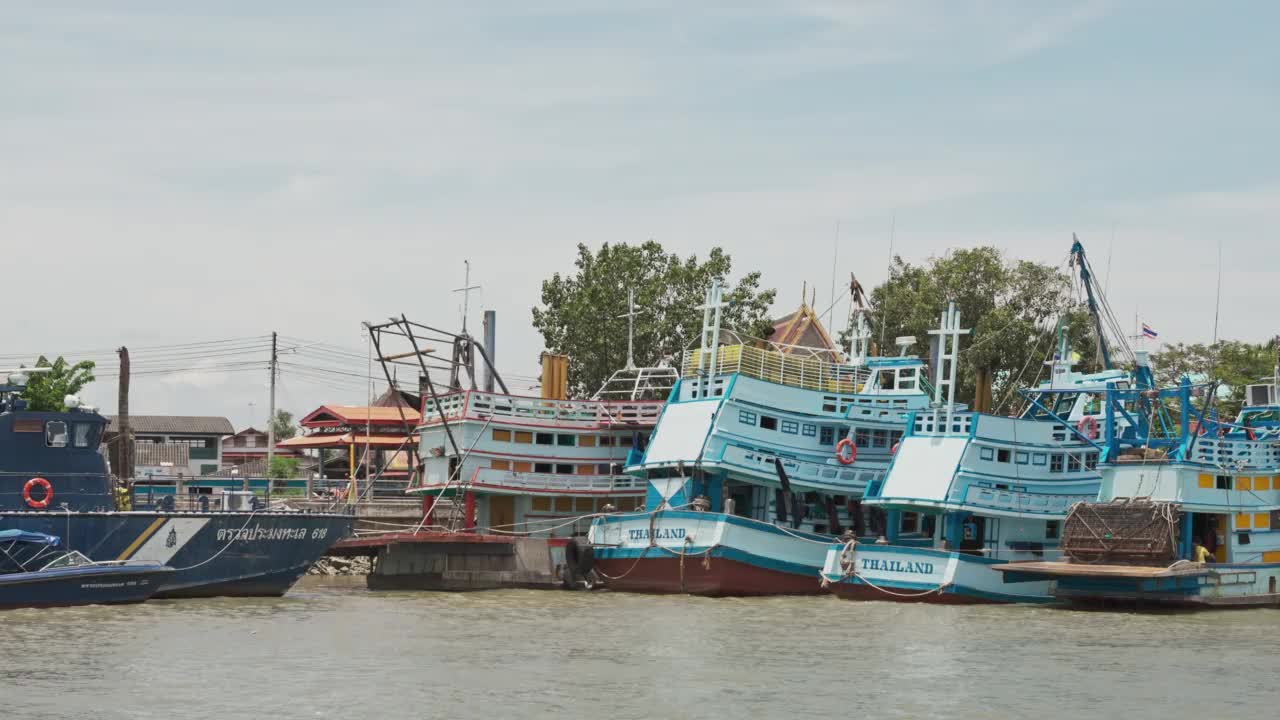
(506, 464)
(968, 491)
(758, 460)
(35, 573)
(54, 480)
(1187, 517)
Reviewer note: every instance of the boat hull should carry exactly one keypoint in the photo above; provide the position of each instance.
(924, 575)
(213, 554)
(703, 553)
(65, 587)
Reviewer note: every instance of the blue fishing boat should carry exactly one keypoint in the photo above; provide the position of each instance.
(35, 573)
(758, 460)
(1188, 516)
(969, 491)
(54, 481)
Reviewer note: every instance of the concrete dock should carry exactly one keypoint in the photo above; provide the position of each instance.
(457, 561)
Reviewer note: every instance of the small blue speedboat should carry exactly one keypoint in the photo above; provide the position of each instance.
(35, 573)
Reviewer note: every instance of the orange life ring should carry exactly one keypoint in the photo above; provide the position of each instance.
(841, 456)
(894, 450)
(1088, 426)
(33, 483)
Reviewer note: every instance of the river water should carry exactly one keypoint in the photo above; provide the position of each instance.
(331, 649)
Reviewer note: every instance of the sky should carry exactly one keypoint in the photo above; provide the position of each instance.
(181, 173)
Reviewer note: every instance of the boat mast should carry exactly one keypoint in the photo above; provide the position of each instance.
(948, 332)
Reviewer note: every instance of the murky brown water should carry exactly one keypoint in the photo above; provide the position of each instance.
(333, 650)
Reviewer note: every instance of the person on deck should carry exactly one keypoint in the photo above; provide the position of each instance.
(1200, 553)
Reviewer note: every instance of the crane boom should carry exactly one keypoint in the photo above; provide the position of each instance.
(1086, 277)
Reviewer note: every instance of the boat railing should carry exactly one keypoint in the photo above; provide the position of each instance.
(1235, 454)
(809, 373)
(554, 482)
(542, 411)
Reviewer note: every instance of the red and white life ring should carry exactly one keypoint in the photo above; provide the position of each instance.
(846, 458)
(1088, 426)
(38, 482)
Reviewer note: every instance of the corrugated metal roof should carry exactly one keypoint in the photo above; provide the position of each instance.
(155, 454)
(354, 415)
(342, 441)
(175, 424)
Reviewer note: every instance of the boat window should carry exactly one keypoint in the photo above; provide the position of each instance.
(862, 437)
(501, 435)
(1091, 461)
(1002, 456)
(564, 469)
(880, 439)
(82, 435)
(1022, 457)
(1093, 405)
(71, 559)
(542, 468)
(545, 439)
(886, 381)
(1073, 463)
(1051, 530)
(790, 427)
(828, 403)
(1064, 404)
(910, 523)
(1055, 463)
(1038, 459)
(809, 430)
(1223, 482)
(986, 453)
(768, 423)
(827, 436)
(55, 433)
(626, 441)
(907, 379)
(746, 418)
(565, 440)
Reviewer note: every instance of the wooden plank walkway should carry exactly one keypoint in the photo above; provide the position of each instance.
(1086, 570)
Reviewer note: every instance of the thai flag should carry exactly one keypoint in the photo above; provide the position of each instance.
(1147, 332)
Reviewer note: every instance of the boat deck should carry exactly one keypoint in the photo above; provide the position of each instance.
(1067, 569)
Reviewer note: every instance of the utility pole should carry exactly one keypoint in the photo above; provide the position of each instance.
(271, 420)
(124, 435)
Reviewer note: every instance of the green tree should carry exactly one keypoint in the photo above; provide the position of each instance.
(283, 424)
(580, 314)
(283, 468)
(1232, 363)
(1013, 307)
(47, 390)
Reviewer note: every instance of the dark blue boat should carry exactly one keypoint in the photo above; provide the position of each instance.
(34, 573)
(54, 480)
